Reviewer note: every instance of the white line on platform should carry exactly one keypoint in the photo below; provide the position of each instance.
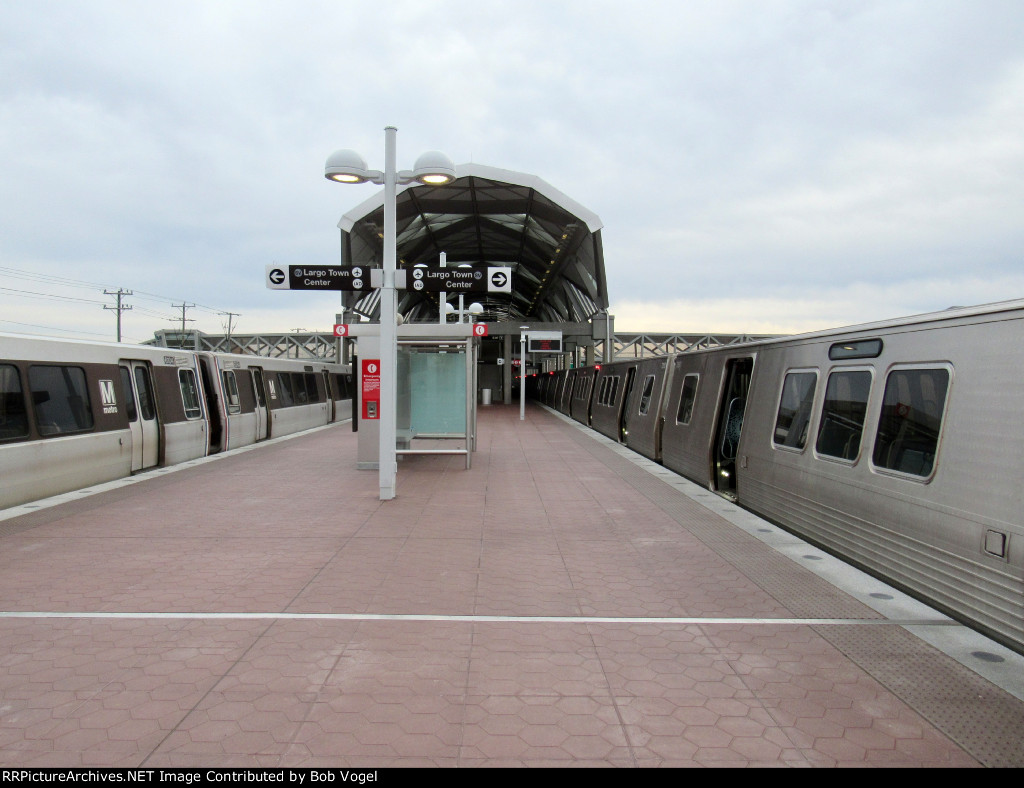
(940, 622)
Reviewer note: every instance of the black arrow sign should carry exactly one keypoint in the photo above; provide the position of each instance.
(498, 279)
(277, 276)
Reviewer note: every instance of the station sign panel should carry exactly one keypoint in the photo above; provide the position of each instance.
(324, 277)
(544, 342)
(472, 279)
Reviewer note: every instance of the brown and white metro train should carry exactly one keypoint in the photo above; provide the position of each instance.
(898, 445)
(73, 414)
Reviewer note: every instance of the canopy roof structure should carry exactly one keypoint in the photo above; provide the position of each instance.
(487, 216)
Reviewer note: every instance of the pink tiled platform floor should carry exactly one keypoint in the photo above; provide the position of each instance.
(405, 633)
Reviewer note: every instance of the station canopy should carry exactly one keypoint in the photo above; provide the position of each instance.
(494, 217)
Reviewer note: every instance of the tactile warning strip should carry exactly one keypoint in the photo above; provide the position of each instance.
(981, 718)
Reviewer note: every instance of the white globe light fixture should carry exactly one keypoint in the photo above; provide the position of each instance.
(434, 169)
(347, 166)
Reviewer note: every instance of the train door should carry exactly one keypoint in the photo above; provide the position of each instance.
(624, 411)
(730, 424)
(137, 385)
(262, 413)
(216, 412)
(331, 402)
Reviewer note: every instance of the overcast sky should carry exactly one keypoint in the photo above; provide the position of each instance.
(759, 166)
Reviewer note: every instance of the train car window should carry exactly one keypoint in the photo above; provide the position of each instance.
(862, 348)
(190, 393)
(312, 393)
(13, 413)
(794, 416)
(686, 399)
(341, 384)
(645, 397)
(61, 398)
(129, 394)
(842, 417)
(231, 391)
(911, 418)
(284, 381)
(299, 392)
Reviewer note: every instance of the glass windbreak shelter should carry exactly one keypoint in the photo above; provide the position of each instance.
(436, 401)
(435, 407)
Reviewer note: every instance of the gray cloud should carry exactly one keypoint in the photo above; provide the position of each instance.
(785, 153)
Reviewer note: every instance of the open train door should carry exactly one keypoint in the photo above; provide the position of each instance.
(262, 412)
(332, 401)
(624, 409)
(137, 387)
(730, 424)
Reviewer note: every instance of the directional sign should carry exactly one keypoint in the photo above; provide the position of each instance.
(309, 277)
(500, 281)
(469, 279)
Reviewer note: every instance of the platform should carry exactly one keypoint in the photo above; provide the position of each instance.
(561, 603)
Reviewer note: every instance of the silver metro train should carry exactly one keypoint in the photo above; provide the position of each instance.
(898, 446)
(74, 413)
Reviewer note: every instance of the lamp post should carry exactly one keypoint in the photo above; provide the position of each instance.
(432, 168)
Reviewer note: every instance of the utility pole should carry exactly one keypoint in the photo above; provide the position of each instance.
(120, 307)
(230, 315)
(183, 307)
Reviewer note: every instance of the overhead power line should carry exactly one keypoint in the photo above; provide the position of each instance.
(35, 294)
(144, 303)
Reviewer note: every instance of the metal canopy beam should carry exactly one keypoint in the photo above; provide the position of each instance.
(323, 345)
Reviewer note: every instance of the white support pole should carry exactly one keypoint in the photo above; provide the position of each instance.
(443, 300)
(388, 329)
(522, 374)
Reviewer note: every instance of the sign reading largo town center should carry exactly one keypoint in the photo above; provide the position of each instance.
(430, 279)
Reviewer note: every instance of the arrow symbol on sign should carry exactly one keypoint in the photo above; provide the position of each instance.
(498, 279)
(276, 276)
